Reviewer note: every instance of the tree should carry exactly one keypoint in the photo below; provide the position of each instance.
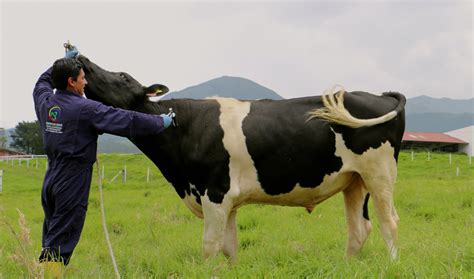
(27, 137)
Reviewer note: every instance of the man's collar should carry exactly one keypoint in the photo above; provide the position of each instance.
(67, 92)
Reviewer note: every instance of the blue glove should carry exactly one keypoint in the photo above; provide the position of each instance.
(72, 52)
(166, 120)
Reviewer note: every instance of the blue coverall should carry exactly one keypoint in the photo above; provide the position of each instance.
(70, 126)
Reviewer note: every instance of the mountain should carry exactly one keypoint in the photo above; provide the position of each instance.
(8, 134)
(426, 104)
(438, 115)
(109, 144)
(438, 122)
(235, 87)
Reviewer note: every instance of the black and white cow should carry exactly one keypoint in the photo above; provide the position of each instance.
(225, 153)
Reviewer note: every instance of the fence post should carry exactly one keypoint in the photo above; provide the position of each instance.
(457, 170)
(36, 163)
(148, 175)
(429, 156)
(450, 159)
(1, 181)
(103, 171)
(412, 155)
(124, 174)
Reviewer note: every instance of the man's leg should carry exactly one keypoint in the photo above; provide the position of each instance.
(66, 223)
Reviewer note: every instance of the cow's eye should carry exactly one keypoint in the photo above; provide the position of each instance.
(122, 75)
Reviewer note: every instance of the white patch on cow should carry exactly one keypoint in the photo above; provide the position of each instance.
(191, 203)
(368, 163)
(243, 180)
(242, 171)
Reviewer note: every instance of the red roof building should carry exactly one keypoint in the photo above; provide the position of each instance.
(431, 141)
(9, 152)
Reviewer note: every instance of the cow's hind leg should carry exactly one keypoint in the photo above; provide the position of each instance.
(215, 222)
(358, 223)
(380, 185)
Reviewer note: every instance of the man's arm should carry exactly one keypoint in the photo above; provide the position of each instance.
(126, 123)
(43, 87)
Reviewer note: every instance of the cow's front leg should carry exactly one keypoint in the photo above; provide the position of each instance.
(215, 221)
(230, 237)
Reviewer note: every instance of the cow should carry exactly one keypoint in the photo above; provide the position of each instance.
(223, 153)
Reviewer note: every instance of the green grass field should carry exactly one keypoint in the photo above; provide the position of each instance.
(155, 236)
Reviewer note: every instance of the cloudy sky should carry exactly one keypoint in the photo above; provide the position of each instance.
(294, 48)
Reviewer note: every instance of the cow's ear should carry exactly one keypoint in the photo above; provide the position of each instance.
(156, 90)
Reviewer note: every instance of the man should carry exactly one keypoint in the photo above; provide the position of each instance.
(70, 125)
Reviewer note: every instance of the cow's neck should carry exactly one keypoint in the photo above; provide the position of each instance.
(165, 149)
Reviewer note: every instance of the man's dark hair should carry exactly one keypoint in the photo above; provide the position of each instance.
(63, 69)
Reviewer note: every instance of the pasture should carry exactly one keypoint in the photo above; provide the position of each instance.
(155, 236)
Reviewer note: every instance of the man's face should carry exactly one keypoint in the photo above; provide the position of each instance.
(77, 86)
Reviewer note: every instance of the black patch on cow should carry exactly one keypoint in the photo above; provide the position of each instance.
(364, 106)
(365, 208)
(285, 148)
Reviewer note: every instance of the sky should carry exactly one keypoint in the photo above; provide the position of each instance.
(295, 48)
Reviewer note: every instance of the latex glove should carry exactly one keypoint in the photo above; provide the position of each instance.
(72, 52)
(166, 120)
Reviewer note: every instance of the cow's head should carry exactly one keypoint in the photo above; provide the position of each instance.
(116, 89)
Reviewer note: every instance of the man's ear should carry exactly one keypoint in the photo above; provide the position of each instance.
(70, 82)
(156, 90)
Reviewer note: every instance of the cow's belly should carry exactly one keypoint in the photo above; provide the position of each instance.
(301, 196)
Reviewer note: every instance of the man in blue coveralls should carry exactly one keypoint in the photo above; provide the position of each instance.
(70, 125)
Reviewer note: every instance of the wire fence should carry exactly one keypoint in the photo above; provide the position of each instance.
(40, 163)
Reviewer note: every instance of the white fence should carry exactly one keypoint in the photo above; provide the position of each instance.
(23, 159)
(14, 157)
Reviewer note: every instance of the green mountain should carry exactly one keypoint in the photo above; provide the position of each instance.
(235, 87)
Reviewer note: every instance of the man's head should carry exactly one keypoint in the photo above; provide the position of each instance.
(67, 74)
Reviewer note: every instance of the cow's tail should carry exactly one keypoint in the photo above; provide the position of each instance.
(335, 112)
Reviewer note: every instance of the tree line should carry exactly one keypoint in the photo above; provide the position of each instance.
(25, 138)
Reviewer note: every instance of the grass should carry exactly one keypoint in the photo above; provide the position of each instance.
(154, 235)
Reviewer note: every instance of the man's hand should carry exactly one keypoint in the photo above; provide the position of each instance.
(71, 52)
(166, 120)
